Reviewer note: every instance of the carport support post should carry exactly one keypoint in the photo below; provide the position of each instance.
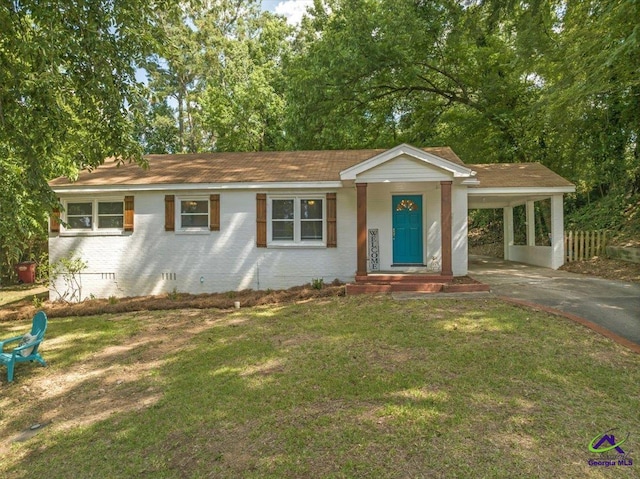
(557, 231)
(531, 223)
(507, 223)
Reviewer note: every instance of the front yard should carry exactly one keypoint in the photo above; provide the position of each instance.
(333, 387)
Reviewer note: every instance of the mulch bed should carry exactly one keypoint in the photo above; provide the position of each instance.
(25, 309)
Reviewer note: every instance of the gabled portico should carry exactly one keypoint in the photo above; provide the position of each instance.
(411, 202)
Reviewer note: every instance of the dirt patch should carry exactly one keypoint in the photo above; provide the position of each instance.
(606, 268)
(464, 280)
(25, 309)
(495, 250)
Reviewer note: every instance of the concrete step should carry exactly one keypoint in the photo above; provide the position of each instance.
(391, 287)
(403, 278)
(403, 286)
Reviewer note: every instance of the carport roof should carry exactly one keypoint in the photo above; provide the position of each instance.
(517, 175)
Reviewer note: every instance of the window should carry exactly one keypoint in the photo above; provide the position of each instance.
(80, 216)
(297, 220)
(311, 220)
(95, 215)
(282, 220)
(194, 213)
(111, 214)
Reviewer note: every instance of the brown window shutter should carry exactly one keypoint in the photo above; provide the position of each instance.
(54, 221)
(332, 231)
(169, 213)
(214, 213)
(261, 220)
(128, 213)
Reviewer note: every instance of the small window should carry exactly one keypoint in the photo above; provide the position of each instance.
(297, 221)
(311, 220)
(80, 216)
(111, 215)
(194, 214)
(282, 218)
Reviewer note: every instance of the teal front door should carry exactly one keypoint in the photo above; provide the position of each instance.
(407, 229)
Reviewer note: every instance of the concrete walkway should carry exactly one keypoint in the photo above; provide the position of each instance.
(612, 305)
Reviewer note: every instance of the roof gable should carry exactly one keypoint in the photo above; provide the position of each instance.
(404, 151)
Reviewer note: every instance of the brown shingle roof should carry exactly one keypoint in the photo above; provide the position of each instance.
(253, 167)
(288, 166)
(511, 175)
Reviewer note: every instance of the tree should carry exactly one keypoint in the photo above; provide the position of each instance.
(389, 73)
(67, 78)
(220, 72)
(243, 104)
(175, 76)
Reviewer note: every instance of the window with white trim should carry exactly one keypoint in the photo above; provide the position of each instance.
(94, 215)
(297, 220)
(193, 214)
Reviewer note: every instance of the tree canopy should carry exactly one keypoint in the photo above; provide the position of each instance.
(67, 79)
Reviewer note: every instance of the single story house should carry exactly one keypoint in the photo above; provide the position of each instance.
(216, 222)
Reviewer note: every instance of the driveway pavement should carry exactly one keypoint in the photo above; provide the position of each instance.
(613, 305)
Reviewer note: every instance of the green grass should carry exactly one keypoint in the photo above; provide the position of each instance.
(10, 294)
(343, 387)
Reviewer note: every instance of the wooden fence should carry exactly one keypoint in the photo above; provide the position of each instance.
(583, 245)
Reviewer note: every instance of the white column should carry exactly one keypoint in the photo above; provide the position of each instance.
(557, 231)
(531, 223)
(507, 223)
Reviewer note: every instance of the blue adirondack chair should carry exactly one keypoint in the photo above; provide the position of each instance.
(9, 359)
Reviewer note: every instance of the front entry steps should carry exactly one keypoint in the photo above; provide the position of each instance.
(422, 283)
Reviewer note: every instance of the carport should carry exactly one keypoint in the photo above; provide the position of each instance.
(523, 185)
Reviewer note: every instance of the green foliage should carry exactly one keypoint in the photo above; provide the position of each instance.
(220, 70)
(67, 78)
(547, 81)
(618, 212)
(37, 302)
(317, 283)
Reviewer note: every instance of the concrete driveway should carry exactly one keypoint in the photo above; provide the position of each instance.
(613, 305)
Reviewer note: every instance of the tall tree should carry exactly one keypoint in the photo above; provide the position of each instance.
(220, 72)
(244, 103)
(175, 76)
(67, 78)
(417, 71)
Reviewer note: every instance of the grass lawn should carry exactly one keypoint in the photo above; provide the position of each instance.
(339, 387)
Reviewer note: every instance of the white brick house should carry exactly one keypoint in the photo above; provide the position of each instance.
(228, 221)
